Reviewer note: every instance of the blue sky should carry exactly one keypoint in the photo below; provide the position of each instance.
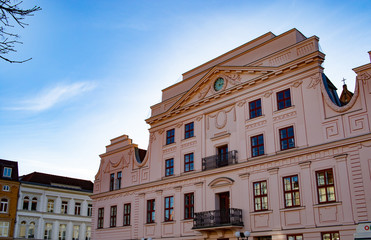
(98, 66)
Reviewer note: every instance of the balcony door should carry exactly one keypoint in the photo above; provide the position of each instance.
(224, 207)
(222, 159)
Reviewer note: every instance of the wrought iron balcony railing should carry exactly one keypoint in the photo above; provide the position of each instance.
(219, 160)
(218, 218)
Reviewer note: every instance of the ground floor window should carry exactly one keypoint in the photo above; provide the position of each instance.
(4, 229)
(48, 231)
(76, 231)
(331, 236)
(295, 237)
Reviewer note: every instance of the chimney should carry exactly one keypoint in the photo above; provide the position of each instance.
(369, 53)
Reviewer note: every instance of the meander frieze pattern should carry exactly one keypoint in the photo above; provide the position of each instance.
(257, 124)
(364, 77)
(285, 116)
(189, 144)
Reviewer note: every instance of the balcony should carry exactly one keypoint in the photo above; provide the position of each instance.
(230, 217)
(220, 160)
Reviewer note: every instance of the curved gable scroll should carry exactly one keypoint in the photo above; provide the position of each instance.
(221, 182)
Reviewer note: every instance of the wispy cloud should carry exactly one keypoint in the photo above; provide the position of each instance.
(48, 98)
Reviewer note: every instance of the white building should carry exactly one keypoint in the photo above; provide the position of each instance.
(53, 207)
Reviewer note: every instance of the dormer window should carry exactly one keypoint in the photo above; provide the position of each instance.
(7, 172)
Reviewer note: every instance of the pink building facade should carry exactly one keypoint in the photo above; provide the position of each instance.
(254, 140)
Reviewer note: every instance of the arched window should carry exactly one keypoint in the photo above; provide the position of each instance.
(34, 204)
(31, 230)
(4, 205)
(26, 201)
(22, 230)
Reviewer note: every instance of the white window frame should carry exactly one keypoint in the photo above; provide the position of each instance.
(7, 172)
(4, 229)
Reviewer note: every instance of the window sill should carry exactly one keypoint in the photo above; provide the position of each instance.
(327, 204)
(292, 208)
(188, 139)
(168, 222)
(255, 118)
(150, 224)
(187, 220)
(261, 212)
(283, 109)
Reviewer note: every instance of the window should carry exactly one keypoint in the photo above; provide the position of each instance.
(26, 201)
(287, 139)
(188, 130)
(4, 229)
(118, 180)
(6, 188)
(7, 172)
(169, 208)
(127, 211)
(188, 162)
(295, 237)
(31, 230)
(22, 230)
(113, 216)
(291, 191)
(260, 196)
(77, 208)
(169, 167)
(48, 231)
(4, 205)
(64, 207)
(151, 211)
(257, 145)
(90, 210)
(50, 206)
(34, 204)
(62, 232)
(170, 136)
(112, 182)
(188, 205)
(88, 233)
(283, 99)
(255, 108)
(325, 186)
(100, 217)
(76, 231)
(331, 236)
